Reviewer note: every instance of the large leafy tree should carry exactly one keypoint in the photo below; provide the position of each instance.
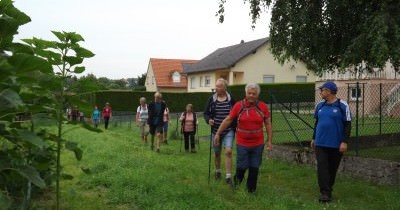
(332, 34)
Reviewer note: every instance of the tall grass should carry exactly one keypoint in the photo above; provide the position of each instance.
(126, 174)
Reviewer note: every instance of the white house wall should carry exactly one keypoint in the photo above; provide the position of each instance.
(255, 66)
(150, 83)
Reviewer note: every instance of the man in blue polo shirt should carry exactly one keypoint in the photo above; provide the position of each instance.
(331, 134)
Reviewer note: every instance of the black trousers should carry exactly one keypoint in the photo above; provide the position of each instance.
(251, 178)
(328, 161)
(189, 136)
(106, 119)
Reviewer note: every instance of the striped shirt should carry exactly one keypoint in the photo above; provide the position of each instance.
(222, 109)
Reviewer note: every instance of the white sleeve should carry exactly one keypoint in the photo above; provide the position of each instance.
(138, 109)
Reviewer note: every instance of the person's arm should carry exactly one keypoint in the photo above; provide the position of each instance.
(312, 144)
(224, 125)
(207, 112)
(137, 115)
(268, 128)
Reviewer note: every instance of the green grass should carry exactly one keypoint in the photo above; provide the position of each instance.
(387, 153)
(125, 174)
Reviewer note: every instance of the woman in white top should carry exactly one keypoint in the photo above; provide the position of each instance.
(166, 120)
(142, 114)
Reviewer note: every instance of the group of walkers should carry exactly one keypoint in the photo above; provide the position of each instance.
(246, 120)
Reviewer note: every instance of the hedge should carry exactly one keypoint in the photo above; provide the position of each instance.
(129, 100)
(283, 92)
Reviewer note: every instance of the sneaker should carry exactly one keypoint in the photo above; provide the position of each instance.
(228, 180)
(217, 175)
(325, 198)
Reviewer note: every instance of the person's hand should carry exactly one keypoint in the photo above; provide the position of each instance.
(312, 144)
(269, 146)
(216, 139)
(211, 122)
(343, 147)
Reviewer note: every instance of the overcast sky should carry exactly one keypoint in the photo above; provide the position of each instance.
(124, 34)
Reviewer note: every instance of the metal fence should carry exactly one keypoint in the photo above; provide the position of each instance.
(375, 120)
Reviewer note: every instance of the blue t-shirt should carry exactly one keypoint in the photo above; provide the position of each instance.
(330, 126)
(96, 114)
(157, 110)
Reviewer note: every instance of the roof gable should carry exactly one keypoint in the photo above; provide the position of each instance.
(226, 57)
(163, 70)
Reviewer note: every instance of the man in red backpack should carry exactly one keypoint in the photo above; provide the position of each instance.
(251, 116)
(107, 113)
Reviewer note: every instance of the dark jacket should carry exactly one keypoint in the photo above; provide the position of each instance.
(209, 112)
(152, 114)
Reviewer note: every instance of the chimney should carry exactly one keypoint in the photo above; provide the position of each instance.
(241, 41)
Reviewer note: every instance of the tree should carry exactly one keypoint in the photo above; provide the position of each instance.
(332, 34)
(141, 79)
(66, 56)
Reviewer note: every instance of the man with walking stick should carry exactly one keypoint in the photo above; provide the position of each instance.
(218, 107)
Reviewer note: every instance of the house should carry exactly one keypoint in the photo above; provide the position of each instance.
(378, 92)
(165, 75)
(243, 63)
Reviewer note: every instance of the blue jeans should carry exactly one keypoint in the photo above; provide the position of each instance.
(247, 157)
(227, 139)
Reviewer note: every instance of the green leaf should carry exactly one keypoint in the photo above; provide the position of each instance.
(60, 35)
(74, 37)
(9, 99)
(28, 63)
(79, 69)
(32, 175)
(67, 176)
(5, 201)
(31, 138)
(73, 60)
(82, 52)
(72, 146)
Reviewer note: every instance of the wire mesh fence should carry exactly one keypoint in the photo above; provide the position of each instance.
(375, 120)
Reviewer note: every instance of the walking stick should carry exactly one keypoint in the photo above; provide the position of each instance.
(209, 159)
(197, 136)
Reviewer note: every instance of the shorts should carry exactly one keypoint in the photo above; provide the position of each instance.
(228, 141)
(247, 157)
(144, 128)
(165, 127)
(154, 128)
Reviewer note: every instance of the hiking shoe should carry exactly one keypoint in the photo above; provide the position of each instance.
(165, 142)
(325, 198)
(158, 150)
(152, 147)
(228, 180)
(217, 175)
(193, 151)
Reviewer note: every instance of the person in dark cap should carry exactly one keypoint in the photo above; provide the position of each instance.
(331, 134)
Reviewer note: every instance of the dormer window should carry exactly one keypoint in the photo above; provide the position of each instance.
(176, 77)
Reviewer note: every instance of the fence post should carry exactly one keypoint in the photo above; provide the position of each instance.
(363, 103)
(380, 108)
(357, 110)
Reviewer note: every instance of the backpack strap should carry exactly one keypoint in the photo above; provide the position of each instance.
(243, 109)
(342, 112)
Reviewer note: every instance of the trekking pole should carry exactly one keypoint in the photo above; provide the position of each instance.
(197, 136)
(209, 159)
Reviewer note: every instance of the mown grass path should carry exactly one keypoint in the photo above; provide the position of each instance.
(125, 174)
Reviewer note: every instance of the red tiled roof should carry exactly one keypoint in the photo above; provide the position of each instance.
(164, 68)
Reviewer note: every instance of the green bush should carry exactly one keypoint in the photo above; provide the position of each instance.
(283, 92)
(129, 100)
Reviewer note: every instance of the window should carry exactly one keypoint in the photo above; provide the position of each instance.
(192, 82)
(301, 78)
(355, 93)
(201, 81)
(176, 77)
(207, 81)
(268, 79)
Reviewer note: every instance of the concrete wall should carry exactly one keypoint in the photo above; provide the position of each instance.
(374, 170)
